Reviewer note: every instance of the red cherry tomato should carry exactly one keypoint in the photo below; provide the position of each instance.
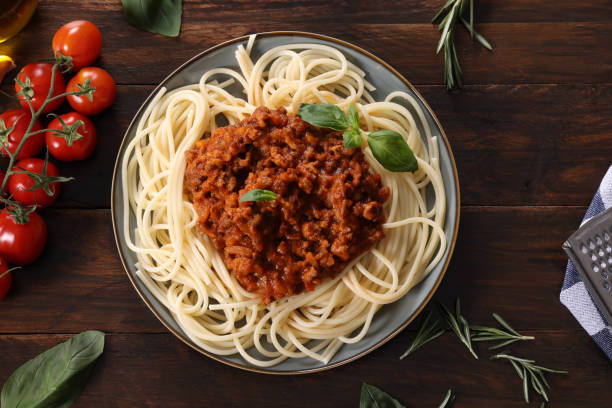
(103, 97)
(78, 149)
(39, 75)
(21, 244)
(5, 278)
(18, 183)
(20, 118)
(79, 39)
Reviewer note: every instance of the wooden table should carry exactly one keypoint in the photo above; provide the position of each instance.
(532, 135)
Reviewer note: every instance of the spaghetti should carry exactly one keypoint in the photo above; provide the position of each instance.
(182, 268)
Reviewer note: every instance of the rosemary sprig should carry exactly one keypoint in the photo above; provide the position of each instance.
(427, 332)
(458, 325)
(494, 334)
(455, 10)
(448, 400)
(530, 373)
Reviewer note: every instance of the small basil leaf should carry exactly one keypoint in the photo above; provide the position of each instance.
(373, 397)
(56, 377)
(157, 16)
(258, 194)
(324, 115)
(392, 151)
(352, 139)
(353, 117)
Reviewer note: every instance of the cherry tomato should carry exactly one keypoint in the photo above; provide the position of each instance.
(78, 149)
(18, 183)
(21, 244)
(79, 39)
(103, 97)
(5, 278)
(39, 75)
(20, 118)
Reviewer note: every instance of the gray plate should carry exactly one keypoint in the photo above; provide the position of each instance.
(391, 319)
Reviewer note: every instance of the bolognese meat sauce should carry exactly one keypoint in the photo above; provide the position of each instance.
(327, 211)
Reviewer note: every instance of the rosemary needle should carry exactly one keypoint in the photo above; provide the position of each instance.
(455, 10)
(531, 374)
(494, 334)
(458, 325)
(427, 332)
(448, 400)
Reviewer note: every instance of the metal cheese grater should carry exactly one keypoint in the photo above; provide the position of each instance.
(590, 250)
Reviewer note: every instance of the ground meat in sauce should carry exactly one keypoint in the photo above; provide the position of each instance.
(328, 208)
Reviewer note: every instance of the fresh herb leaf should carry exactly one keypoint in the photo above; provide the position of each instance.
(494, 334)
(392, 151)
(448, 400)
(56, 377)
(427, 332)
(258, 194)
(324, 115)
(373, 397)
(353, 117)
(157, 16)
(352, 139)
(530, 373)
(454, 11)
(458, 325)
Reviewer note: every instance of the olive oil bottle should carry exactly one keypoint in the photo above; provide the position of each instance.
(14, 15)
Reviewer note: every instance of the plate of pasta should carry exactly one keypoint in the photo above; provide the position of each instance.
(285, 202)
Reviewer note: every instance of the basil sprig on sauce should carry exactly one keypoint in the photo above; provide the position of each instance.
(257, 194)
(56, 377)
(388, 147)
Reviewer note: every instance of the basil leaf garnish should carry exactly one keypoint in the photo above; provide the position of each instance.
(258, 194)
(352, 139)
(324, 115)
(157, 16)
(56, 377)
(392, 151)
(373, 397)
(353, 117)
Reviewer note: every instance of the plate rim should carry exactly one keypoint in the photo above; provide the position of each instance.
(362, 353)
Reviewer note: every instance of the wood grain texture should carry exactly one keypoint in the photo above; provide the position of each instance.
(501, 264)
(543, 52)
(156, 370)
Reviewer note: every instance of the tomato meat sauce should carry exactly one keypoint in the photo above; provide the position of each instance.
(327, 211)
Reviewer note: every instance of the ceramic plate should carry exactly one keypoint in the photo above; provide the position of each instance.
(391, 319)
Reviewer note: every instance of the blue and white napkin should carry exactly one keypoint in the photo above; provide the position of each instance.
(574, 294)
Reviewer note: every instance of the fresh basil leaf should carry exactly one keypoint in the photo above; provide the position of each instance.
(373, 397)
(56, 377)
(324, 115)
(258, 194)
(352, 139)
(157, 16)
(353, 117)
(392, 151)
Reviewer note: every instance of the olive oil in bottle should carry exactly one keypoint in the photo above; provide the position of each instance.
(14, 15)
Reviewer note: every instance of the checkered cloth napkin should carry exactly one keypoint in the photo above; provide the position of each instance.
(574, 294)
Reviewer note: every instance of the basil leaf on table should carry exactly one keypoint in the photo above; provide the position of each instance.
(157, 16)
(324, 115)
(392, 151)
(258, 194)
(373, 397)
(56, 377)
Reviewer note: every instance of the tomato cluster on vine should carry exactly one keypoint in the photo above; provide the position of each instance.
(32, 183)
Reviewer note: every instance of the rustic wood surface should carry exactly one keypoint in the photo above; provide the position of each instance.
(531, 132)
